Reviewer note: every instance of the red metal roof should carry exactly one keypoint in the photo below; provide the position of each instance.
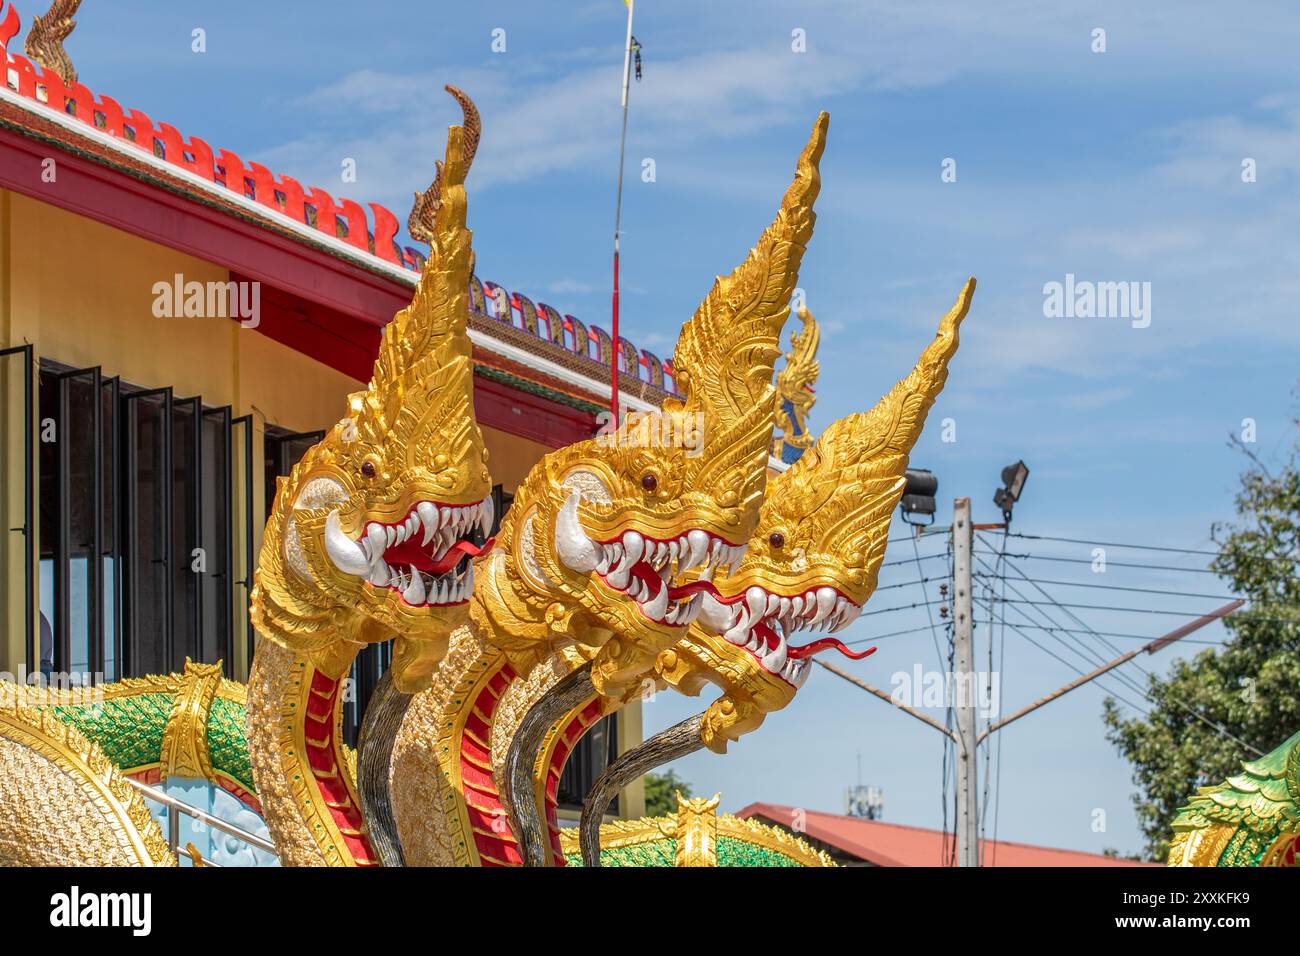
(892, 844)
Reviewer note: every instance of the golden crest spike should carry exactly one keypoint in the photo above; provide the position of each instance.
(434, 325)
(726, 352)
(420, 223)
(851, 479)
(907, 403)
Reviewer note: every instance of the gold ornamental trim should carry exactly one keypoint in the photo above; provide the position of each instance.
(105, 787)
(185, 736)
(697, 828)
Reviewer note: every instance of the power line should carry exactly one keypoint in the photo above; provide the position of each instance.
(1145, 567)
(1109, 564)
(1108, 607)
(1050, 653)
(1132, 637)
(1112, 544)
(934, 634)
(901, 607)
(1088, 654)
(881, 637)
(1120, 587)
(924, 557)
(908, 584)
(1218, 728)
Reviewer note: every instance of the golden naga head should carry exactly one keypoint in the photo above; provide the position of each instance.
(373, 532)
(607, 527)
(815, 556)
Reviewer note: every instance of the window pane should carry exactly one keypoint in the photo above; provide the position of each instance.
(214, 517)
(148, 569)
(184, 576)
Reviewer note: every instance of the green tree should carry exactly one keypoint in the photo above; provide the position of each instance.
(661, 793)
(1248, 686)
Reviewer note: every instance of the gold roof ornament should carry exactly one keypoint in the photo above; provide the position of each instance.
(44, 42)
(794, 390)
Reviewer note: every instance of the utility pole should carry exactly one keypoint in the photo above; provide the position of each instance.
(967, 822)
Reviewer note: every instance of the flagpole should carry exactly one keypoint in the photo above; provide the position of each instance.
(618, 212)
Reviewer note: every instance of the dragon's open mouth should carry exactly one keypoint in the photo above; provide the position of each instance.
(762, 623)
(427, 557)
(645, 568)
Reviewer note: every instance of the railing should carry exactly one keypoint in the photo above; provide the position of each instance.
(177, 807)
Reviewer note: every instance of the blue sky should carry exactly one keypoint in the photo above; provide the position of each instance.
(1116, 166)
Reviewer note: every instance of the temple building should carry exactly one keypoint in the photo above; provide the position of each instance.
(178, 324)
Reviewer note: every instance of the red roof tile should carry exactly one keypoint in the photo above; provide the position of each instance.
(892, 844)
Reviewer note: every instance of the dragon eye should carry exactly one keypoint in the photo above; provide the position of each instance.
(649, 482)
(368, 468)
(777, 539)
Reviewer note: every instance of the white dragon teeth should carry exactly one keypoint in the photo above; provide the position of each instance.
(656, 606)
(438, 525)
(633, 545)
(738, 633)
(837, 617)
(825, 602)
(774, 660)
(347, 555)
(698, 551)
(693, 608)
(414, 591)
(428, 513)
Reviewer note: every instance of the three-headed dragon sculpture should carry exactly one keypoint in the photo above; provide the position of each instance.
(624, 563)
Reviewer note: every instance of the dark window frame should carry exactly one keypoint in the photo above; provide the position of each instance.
(144, 640)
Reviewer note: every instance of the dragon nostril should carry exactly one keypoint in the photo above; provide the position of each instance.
(649, 482)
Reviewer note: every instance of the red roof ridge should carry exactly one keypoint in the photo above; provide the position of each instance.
(313, 210)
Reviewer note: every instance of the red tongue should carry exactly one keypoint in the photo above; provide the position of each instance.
(647, 576)
(808, 650)
(685, 590)
(410, 552)
(768, 635)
